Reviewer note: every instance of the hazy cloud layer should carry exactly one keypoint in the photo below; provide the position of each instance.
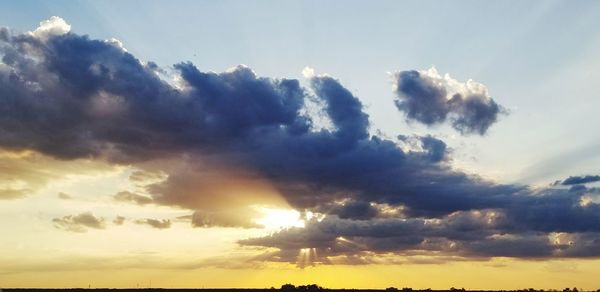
(225, 218)
(23, 173)
(217, 143)
(429, 98)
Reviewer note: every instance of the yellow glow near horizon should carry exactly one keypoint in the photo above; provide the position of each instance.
(276, 218)
(493, 274)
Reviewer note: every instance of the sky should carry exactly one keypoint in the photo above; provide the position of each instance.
(421, 144)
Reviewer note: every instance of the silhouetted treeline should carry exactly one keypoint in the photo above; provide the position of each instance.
(310, 287)
(285, 288)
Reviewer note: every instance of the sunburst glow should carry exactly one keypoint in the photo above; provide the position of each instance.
(276, 218)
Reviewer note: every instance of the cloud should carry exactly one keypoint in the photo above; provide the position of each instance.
(428, 147)
(54, 26)
(64, 196)
(475, 234)
(79, 223)
(203, 183)
(575, 180)
(218, 143)
(119, 220)
(225, 218)
(429, 98)
(357, 210)
(141, 177)
(23, 173)
(556, 211)
(155, 223)
(343, 108)
(549, 224)
(109, 105)
(9, 193)
(126, 196)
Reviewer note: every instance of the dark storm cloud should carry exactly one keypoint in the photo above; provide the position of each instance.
(464, 234)
(79, 223)
(344, 109)
(421, 99)
(358, 210)
(315, 167)
(574, 180)
(97, 100)
(424, 98)
(433, 149)
(553, 223)
(211, 141)
(555, 211)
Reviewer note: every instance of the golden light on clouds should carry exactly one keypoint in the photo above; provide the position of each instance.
(275, 218)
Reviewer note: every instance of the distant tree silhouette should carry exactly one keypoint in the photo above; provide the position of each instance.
(391, 289)
(307, 288)
(311, 287)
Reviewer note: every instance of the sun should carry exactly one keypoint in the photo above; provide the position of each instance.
(277, 218)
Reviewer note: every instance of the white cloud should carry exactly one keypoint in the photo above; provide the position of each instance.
(308, 72)
(454, 86)
(51, 27)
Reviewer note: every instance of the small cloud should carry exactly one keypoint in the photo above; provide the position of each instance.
(126, 196)
(79, 223)
(119, 220)
(64, 196)
(145, 177)
(429, 98)
(155, 223)
(308, 72)
(576, 180)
